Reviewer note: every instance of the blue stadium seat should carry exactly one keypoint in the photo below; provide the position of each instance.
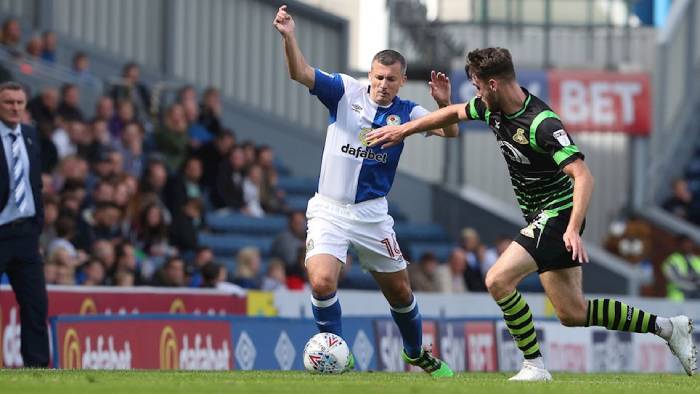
(415, 232)
(440, 249)
(282, 170)
(230, 244)
(297, 202)
(242, 224)
(298, 185)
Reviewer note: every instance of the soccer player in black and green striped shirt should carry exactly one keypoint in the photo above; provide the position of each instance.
(553, 187)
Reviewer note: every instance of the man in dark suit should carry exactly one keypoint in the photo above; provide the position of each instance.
(21, 221)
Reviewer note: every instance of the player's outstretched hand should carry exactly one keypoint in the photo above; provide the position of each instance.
(385, 136)
(574, 244)
(283, 21)
(440, 88)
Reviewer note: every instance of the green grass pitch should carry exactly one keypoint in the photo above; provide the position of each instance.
(235, 382)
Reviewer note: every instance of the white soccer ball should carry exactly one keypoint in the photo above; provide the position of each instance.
(326, 353)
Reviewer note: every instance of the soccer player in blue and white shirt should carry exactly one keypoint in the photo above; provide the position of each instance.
(350, 207)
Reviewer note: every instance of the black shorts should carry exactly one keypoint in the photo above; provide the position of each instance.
(543, 238)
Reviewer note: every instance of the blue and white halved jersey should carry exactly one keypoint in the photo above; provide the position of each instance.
(352, 172)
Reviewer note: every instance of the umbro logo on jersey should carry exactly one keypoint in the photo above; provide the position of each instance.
(356, 107)
(365, 153)
(497, 123)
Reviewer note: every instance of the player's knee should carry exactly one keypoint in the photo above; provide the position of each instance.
(322, 285)
(497, 286)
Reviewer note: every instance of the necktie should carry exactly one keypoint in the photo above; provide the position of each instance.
(19, 191)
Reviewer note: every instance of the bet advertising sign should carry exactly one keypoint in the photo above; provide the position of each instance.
(585, 100)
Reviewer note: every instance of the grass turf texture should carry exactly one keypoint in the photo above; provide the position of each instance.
(133, 382)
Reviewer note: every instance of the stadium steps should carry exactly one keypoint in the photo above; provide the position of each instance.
(230, 244)
(242, 224)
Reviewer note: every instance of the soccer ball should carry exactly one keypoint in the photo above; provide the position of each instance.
(326, 353)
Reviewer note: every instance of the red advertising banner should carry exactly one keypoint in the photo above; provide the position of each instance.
(602, 101)
(481, 346)
(135, 343)
(85, 301)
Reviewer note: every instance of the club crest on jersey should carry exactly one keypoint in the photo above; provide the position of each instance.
(519, 137)
(363, 135)
(356, 107)
(393, 120)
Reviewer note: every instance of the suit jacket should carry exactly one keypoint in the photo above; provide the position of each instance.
(32, 143)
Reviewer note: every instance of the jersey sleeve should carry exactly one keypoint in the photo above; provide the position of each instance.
(552, 139)
(329, 88)
(418, 112)
(476, 109)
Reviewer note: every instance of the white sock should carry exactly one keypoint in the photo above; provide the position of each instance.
(664, 328)
(537, 362)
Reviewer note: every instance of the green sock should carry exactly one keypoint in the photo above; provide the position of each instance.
(615, 315)
(518, 318)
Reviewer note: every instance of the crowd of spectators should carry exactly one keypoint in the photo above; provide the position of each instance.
(126, 189)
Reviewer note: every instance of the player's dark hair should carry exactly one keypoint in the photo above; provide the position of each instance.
(388, 57)
(488, 63)
(12, 85)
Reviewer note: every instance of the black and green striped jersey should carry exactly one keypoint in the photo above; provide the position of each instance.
(536, 148)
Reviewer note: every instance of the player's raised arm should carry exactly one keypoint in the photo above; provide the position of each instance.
(441, 90)
(299, 70)
(443, 118)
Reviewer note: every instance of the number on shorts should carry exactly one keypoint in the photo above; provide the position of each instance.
(392, 247)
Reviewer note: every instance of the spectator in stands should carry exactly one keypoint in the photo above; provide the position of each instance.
(126, 261)
(69, 107)
(492, 254)
(49, 42)
(67, 138)
(51, 209)
(287, 243)
(202, 257)
(93, 273)
(132, 89)
(124, 279)
(450, 276)
(102, 223)
(49, 153)
(270, 196)
(275, 278)
(172, 274)
(11, 36)
(186, 93)
(125, 113)
(197, 133)
(681, 202)
(298, 277)
(152, 233)
(229, 185)
(214, 276)
(682, 271)
(250, 152)
(73, 170)
(153, 181)
(247, 268)
(171, 138)
(43, 108)
(34, 48)
(130, 145)
(423, 275)
(252, 185)
(210, 114)
(65, 232)
(185, 184)
(474, 251)
(188, 221)
(104, 110)
(213, 155)
(50, 273)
